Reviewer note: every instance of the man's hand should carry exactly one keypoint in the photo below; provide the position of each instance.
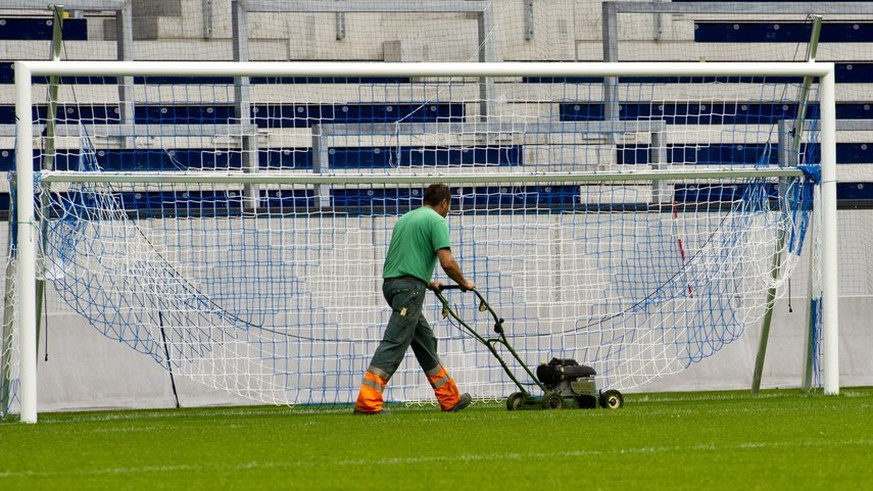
(467, 285)
(436, 286)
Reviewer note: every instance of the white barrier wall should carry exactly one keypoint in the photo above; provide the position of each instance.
(86, 370)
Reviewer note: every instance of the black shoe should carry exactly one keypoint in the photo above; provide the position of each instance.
(465, 401)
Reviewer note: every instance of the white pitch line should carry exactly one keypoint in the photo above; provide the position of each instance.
(151, 469)
(588, 453)
(514, 456)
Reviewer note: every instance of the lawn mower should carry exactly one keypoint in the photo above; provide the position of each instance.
(564, 382)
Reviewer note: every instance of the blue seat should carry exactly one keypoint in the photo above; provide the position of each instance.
(387, 157)
(682, 112)
(306, 115)
(781, 32)
(41, 29)
(277, 116)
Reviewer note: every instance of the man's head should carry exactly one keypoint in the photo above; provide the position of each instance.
(438, 197)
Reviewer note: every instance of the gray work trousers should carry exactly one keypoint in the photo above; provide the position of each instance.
(406, 327)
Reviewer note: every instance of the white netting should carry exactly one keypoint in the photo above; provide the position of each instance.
(9, 366)
(270, 288)
(284, 306)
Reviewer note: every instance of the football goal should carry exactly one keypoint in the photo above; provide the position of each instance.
(229, 220)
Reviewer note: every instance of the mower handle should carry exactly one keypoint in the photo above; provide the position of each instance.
(458, 287)
(483, 305)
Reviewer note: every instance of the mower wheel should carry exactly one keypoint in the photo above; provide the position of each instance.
(514, 402)
(553, 401)
(611, 399)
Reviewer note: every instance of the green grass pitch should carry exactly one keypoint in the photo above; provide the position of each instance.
(702, 441)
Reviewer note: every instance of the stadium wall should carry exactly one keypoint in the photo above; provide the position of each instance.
(81, 369)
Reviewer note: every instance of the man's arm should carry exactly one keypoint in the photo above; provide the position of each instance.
(450, 266)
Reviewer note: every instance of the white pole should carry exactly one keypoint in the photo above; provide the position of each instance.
(437, 69)
(830, 297)
(26, 285)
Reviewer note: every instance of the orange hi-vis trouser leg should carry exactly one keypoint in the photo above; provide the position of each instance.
(444, 387)
(370, 397)
(406, 327)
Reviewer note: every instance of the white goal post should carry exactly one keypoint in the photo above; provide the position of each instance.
(28, 234)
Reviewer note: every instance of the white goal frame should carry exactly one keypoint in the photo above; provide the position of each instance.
(28, 234)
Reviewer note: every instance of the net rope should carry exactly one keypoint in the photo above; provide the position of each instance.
(283, 306)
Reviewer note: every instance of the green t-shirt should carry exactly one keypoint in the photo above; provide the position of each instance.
(416, 238)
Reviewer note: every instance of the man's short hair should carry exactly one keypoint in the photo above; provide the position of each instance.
(436, 193)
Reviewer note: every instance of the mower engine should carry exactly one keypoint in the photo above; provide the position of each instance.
(574, 383)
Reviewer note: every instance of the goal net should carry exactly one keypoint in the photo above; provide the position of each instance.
(239, 242)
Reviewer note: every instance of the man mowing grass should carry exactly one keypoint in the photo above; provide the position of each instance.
(419, 238)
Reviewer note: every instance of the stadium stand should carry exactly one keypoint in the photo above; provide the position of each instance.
(157, 25)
